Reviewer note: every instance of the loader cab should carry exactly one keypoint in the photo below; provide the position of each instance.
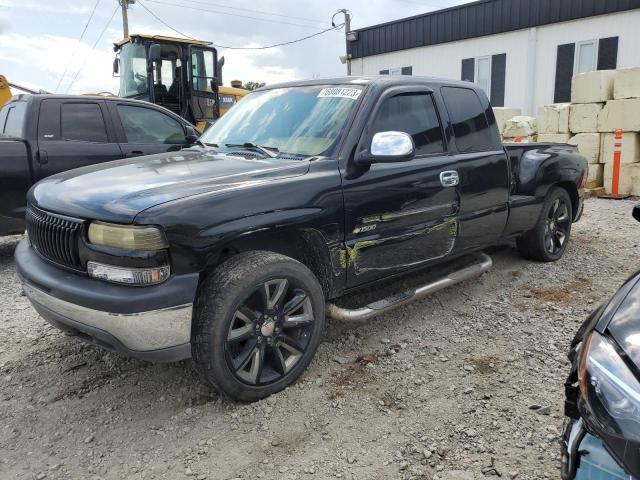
(175, 73)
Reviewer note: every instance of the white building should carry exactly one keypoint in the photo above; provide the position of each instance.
(522, 52)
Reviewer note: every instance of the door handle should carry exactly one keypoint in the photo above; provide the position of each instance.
(43, 158)
(449, 178)
(135, 153)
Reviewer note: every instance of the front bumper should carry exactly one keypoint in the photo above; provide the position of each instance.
(584, 456)
(152, 323)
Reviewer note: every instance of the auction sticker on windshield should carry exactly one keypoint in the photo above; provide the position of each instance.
(340, 92)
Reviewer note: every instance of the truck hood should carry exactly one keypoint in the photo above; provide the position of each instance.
(118, 191)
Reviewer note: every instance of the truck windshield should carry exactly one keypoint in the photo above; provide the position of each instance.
(133, 70)
(297, 120)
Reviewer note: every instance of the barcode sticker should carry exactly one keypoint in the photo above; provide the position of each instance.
(340, 92)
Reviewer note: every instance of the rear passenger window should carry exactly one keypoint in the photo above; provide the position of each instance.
(13, 122)
(470, 125)
(83, 122)
(415, 114)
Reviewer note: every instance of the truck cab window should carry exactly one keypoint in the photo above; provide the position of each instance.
(14, 120)
(202, 69)
(133, 70)
(415, 114)
(167, 78)
(83, 122)
(147, 126)
(470, 125)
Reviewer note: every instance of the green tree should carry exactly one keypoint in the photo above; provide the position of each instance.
(253, 85)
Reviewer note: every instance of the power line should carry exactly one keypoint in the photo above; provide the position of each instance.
(92, 49)
(262, 12)
(268, 20)
(84, 30)
(337, 27)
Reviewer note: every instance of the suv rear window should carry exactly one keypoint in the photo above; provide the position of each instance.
(83, 122)
(471, 128)
(12, 119)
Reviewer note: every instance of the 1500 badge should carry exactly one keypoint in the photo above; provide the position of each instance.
(365, 228)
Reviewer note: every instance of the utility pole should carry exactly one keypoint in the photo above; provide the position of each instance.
(124, 4)
(347, 29)
(349, 35)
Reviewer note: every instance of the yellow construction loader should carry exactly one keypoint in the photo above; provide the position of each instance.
(5, 91)
(180, 74)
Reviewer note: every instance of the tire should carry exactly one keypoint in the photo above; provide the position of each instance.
(548, 240)
(258, 321)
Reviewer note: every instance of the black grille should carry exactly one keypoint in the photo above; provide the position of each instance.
(55, 237)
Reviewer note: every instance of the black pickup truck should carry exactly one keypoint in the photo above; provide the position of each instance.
(231, 251)
(45, 134)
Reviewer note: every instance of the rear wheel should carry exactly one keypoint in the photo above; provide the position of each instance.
(257, 325)
(548, 240)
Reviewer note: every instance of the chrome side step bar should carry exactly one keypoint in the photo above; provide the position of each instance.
(475, 269)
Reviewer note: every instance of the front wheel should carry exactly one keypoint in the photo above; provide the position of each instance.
(548, 240)
(257, 324)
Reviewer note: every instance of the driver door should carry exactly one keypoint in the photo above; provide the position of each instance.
(203, 83)
(401, 215)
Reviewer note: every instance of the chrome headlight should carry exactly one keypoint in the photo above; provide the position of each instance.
(609, 388)
(127, 237)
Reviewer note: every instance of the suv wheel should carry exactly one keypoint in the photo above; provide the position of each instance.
(257, 324)
(548, 240)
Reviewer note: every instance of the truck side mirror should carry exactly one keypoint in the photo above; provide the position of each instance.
(192, 135)
(154, 52)
(388, 147)
(116, 66)
(636, 212)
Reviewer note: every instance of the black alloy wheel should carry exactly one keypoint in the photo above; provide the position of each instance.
(269, 332)
(548, 239)
(557, 226)
(257, 323)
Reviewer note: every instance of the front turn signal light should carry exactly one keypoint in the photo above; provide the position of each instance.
(129, 276)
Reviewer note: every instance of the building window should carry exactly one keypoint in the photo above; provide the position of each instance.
(397, 71)
(586, 57)
(483, 74)
(581, 57)
(489, 73)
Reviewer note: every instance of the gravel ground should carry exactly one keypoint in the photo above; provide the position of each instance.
(466, 384)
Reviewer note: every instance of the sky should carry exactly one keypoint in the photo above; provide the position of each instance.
(40, 45)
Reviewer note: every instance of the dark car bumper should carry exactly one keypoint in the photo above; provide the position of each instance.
(151, 323)
(11, 225)
(584, 456)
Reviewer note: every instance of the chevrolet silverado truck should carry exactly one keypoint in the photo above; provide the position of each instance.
(41, 135)
(232, 251)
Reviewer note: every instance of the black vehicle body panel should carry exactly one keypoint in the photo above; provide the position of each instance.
(210, 205)
(535, 168)
(213, 204)
(15, 180)
(41, 151)
(619, 320)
